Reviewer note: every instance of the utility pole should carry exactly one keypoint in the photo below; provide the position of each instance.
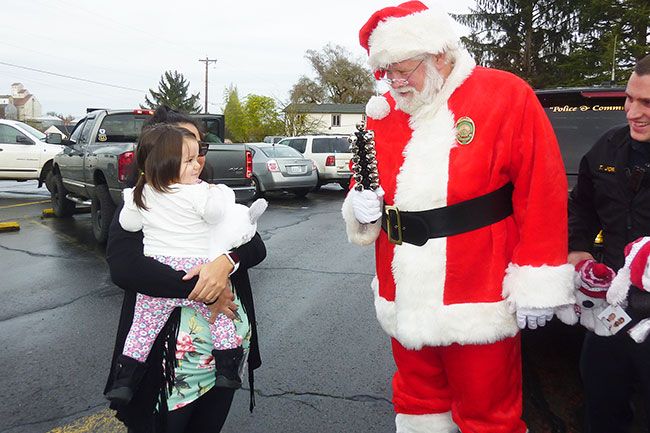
(207, 62)
(613, 79)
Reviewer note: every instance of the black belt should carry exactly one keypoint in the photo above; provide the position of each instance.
(418, 227)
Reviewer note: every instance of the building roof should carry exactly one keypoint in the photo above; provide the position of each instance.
(18, 102)
(327, 108)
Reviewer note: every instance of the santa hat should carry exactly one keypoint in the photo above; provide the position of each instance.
(593, 278)
(401, 32)
(634, 272)
(397, 33)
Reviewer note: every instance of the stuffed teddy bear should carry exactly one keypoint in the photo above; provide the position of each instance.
(592, 279)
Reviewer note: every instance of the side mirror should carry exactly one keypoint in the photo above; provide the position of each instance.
(21, 139)
(54, 138)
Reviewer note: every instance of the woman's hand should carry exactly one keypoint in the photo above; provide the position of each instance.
(225, 304)
(213, 279)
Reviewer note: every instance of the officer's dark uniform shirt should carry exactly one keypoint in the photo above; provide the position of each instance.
(612, 193)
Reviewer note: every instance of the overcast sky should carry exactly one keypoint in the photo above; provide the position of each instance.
(259, 45)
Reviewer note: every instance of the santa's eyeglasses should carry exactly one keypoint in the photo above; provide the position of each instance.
(386, 75)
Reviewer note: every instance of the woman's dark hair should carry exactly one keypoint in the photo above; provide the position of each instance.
(169, 116)
(158, 158)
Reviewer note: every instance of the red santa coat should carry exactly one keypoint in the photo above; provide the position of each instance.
(462, 288)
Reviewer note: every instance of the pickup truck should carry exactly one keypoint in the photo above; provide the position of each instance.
(25, 152)
(95, 163)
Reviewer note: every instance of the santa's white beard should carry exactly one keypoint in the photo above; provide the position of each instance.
(410, 100)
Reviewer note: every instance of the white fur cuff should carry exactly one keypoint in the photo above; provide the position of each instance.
(360, 234)
(539, 287)
(429, 423)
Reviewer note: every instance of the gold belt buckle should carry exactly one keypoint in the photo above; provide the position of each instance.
(390, 226)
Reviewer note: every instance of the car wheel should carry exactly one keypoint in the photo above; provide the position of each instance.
(301, 192)
(345, 184)
(62, 206)
(49, 181)
(102, 210)
(258, 189)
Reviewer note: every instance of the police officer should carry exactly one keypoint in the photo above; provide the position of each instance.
(613, 193)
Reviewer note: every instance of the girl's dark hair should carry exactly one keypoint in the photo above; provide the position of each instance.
(158, 158)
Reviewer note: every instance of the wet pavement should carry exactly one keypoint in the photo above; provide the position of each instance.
(326, 363)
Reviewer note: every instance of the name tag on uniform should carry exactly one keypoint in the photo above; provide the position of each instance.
(606, 168)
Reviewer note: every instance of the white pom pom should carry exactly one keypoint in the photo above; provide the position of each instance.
(377, 107)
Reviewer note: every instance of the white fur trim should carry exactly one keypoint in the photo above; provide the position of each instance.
(645, 279)
(640, 331)
(418, 323)
(377, 107)
(539, 286)
(360, 234)
(429, 423)
(400, 38)
(617, 292)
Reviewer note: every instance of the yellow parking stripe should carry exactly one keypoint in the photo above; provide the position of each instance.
(101, 422)
(24, 204)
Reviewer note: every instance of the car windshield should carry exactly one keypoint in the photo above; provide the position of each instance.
(331, 145)
(119, 128)
(280, 151)
(35, 132)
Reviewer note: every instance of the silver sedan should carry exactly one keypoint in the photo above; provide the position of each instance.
(277, 167)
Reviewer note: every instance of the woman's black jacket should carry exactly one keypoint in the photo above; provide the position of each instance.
(131, 270)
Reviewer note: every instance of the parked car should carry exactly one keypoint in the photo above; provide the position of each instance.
(273, 138)
(96, 161)
(25, 152)
(579, 117)
(277, 167)
(331, 153)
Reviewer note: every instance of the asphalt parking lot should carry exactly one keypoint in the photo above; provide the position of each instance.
(326, 363)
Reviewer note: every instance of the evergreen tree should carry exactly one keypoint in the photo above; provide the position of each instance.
(173, 92)
(559, 42)
(234, 116)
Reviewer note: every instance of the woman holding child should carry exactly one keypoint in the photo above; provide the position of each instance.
(174, 390)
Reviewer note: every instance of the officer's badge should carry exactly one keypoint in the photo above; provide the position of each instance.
(465, 130)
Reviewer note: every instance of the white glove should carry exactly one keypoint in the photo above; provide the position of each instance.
(533, 317)
(367, 204)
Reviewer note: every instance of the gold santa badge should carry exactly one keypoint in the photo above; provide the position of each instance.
(465, 130)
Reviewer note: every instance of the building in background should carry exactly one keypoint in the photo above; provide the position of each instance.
(26, 104)
(331, 118)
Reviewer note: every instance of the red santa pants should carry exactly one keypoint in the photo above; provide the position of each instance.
(479, 384)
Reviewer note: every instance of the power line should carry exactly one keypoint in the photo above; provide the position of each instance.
(72, 78)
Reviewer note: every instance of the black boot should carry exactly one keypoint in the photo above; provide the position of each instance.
(127, 376)
(227, 367)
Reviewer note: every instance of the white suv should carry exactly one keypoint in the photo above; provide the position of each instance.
(25, 152)
(330, 153)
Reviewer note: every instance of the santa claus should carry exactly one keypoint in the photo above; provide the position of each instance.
(469, 225)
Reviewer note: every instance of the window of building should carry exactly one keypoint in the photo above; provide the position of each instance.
(336, 120)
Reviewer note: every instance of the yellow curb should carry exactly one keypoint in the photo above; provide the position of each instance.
(48, 212)
(9, 226)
